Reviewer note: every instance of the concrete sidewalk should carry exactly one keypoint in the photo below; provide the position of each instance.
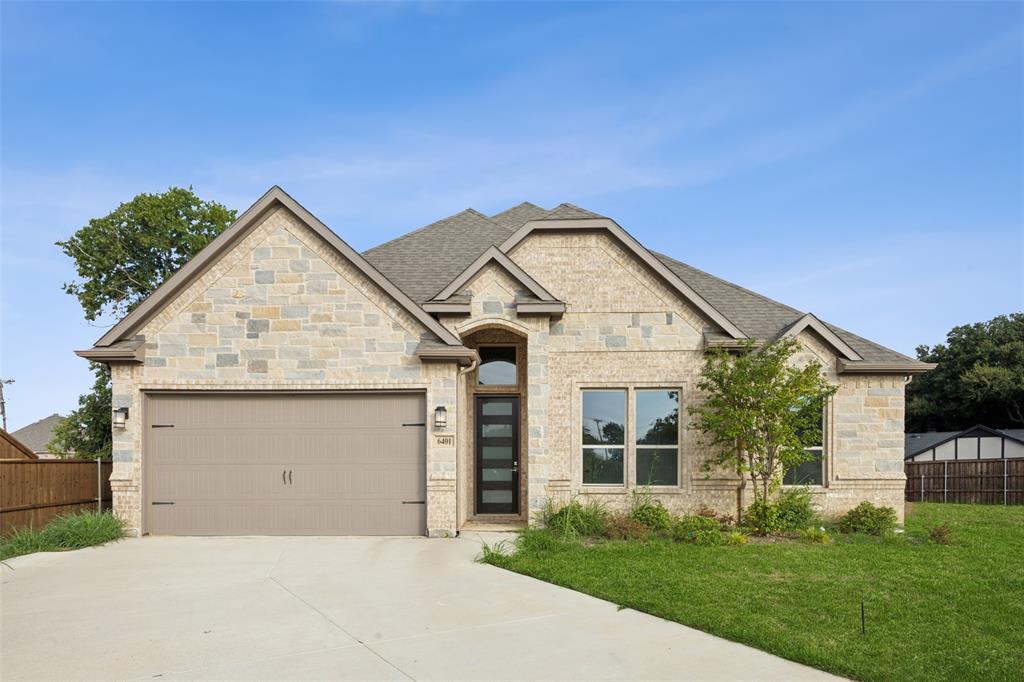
(333, 608)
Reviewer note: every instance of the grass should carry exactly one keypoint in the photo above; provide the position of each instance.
(933, 611)
(72, 531)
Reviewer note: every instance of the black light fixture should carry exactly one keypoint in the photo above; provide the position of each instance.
(120, 417)
(440, 417)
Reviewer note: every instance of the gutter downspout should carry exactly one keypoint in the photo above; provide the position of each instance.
(459, 391)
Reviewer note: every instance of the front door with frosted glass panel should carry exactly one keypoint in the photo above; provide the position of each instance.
(497, 455)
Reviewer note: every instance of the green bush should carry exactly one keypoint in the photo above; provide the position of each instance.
(762, 518)
(793, 510)
(577, 520)
(71, 531)
(941, 534)
(652, 515)
(700, 530)
(625, 527)
(869, 519)
(815, 536)
(735, 537)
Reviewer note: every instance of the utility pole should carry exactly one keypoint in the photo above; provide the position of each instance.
(3, 402)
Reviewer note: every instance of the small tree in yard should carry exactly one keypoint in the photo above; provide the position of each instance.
(760, 414)
(121, 259)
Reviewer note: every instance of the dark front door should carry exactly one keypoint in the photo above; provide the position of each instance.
(497, 455)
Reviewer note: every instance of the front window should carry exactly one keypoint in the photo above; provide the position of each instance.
(497, 366)
(657, 437)
(812, 435)
(604, 437)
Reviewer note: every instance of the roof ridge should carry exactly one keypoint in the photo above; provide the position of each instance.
(420, 229)
(519, 205)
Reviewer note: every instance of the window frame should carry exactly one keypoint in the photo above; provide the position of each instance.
(478, 387)
(637, 447)
(601, 446)
(629, 447)
(825, 421)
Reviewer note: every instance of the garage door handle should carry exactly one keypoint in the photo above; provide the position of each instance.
(284, 473)
(414, 501)
(289, 477)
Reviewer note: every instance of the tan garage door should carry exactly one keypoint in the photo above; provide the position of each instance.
(280, 464)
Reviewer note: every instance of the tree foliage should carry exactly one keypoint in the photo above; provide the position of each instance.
(760, 413)
(121, 259)
(124, 256)
(85, 433)
(979, 380)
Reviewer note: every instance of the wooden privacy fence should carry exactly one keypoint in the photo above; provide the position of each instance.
(995, 481)
(34, 491)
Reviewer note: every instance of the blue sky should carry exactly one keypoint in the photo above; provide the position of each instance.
(864, 162)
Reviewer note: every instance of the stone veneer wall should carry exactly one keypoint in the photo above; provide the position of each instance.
(282, 310)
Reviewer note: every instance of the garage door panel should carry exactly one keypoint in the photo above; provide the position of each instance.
(352, 464)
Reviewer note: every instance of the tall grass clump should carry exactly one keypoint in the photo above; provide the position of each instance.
(70, 531)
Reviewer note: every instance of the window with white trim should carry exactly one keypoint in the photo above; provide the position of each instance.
(657, 437)
(812, 434)
(604, 437)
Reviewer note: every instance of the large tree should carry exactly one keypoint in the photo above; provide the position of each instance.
(979, 380)
(121, 259)
(760, 413)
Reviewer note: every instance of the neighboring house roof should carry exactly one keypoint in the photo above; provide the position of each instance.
(916, 443)
(39, 434)
(12, 448)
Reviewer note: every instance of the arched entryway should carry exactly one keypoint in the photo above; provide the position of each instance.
(494, 465)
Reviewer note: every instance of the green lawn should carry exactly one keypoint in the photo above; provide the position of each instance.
(950, 612)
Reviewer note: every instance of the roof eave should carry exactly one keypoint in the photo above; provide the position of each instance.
(459, 354)
(905, 368)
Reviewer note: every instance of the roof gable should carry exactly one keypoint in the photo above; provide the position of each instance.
(494, 255)
(809, 321)
(916, 443)
(128, 326)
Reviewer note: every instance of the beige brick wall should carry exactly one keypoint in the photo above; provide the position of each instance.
(282, 311)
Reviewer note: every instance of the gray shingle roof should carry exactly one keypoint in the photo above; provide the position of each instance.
(917, 442)
(424, 261)
(38, 434)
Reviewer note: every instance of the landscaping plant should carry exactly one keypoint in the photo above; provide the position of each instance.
(794, 510)
(941, 534)
(699, 530)
(71, 531)
(869, 519)
(653, 515)
(625, 527)
(760, 413)
(577, 520)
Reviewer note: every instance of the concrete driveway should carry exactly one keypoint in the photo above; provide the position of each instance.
(332, 608)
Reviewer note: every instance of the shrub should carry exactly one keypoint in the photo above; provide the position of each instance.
(941, 534)
(700, 530)
(815, 536)
(723, 519)
(625, 527)
(794, 510)
(652, 515)
(735, 537)
(867, 518)
(71, 531)
(576, 520)
(762, 518)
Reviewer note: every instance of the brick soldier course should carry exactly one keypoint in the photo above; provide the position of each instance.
(279, 303)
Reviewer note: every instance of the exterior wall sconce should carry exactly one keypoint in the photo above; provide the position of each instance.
(440, 417)
(120, 417)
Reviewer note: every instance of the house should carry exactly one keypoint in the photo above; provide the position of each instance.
(37, 436)
(12, 448)
(977, 442)
(466, 373)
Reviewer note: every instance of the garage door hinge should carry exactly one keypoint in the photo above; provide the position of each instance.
(163, 426)
(415, 424)
(155, 503)
(411, 502)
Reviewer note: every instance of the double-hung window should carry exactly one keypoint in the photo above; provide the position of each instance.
(657, 437)
(812, 434)
(604, 437)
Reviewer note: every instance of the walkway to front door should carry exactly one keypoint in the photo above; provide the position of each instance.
(497, 455)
